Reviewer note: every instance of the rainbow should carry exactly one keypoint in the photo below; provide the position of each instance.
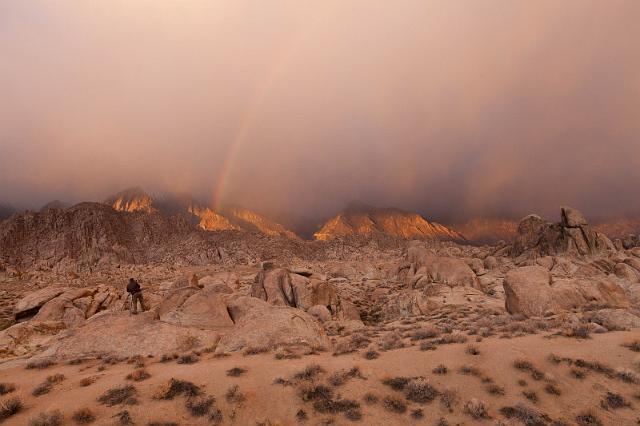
(253, 109)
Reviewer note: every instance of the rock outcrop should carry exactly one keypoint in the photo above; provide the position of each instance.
(531, 291)
(427, 268)
(572, 235)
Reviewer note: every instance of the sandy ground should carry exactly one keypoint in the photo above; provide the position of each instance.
(271, 403)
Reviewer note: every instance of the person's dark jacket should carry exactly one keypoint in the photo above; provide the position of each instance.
(133, 287)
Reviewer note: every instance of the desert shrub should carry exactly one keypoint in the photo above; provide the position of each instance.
(301, 416)
(354, 415)
(531, 396)
(495, 390)
(522, 382)
(613, 401)
(199, 407)
(476, 409)
(309, 373)
(440, 369)
(448, 399)
(397, 383)
(233, 395)
(42, 389)
(55, 378)
(177, 388)
(420, 391)
(285, 353)
(255, 350)
(371, 354)
(120, 395)
(10, 407)
(578, 331)
(40, 364)
(588, 418)
(6, 388)
(370, 398)
(427, 346)
(138, 375)
(391, 340)
(552, 389)
(527, 416)
(188, 359)
(417, 414)
(472, 350)
(314, 392)
(627, 376)
(578, 374)
(393, 404)
(449, 339)
(634, 346)
(424, 333)
(327, 405)
(124, 418)
(47, 418)
(236, 372)
(83, 416)
(469, 371)
(168, 357)
(215, 416)
(339, 378)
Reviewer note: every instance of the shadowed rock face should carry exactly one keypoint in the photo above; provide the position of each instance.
(572, 235)
(364, 220)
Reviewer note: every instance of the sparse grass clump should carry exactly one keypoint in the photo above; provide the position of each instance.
(42, 389)
(124, 418)
(176, 388)
(301, 416)
(588, 418)
(448, 399)
(236, 372)
(10, 407)
(420, 391)
(47, 418)
(614, 401)
(472, 350)
(339, 378)
(393, 404)
(40, 364)
(6, 388)
(199, 407)
(495, 390)
(527, 416)
(552, 389)
(417, 414)
(327, 405)
(531, 396)
(315, 392)
(310, 372)
(576, 373)
(234, 396)
(578, 331)
(634, 346)
(83, 416)
(55, 378)
(449, 339)
(427, 346)
(188, 359)
(255, 350)
(121, 395)
(138, 375)
(87, 381)
(371, 354)
(397, 383)
(370, 398)
(476, 409)
(424, 333)
(215, 416)
(440, 369)
(391, 340)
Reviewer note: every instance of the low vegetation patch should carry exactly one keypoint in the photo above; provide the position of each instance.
(9, 407)
(199, 407)
(236, 372)
(40, 364)
(310, 372)
(393, 404)
(440, 369)
(177, 388)
(120, 395)
(614, 401)
(6, 388)
(476, 409)
(526, 415)
(588, 418)
(234, 396)
(138, 375)
(83, 416)
(47, 418)
(339, 378)
(634, 346)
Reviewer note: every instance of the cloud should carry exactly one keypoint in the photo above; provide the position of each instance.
(453, 109)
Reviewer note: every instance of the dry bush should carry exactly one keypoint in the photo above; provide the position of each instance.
(588, 418)
(286, 353)
(42, 389)
(371, 354)
(424, 333)
(188, 359)
(236, 372)
(420, 391)
(315, 392)
(526, 415)
(417, 414)
(391, 340)
(449, 399)
(138, 375)
(168, 357)
(234, 396)
(124, 418)
(476, 409)
(614, 401)
(310, 372)
(634, 346)
(120, 395)
(440, 369)
(522, 382)
(552, 389)
(427, 346)
(301, 416)
(40, 364)
(578, 373)
(47, 418)
(55, 378)
(393, 404)
(339, 378)
(397, 383)
(10, 407)
(470, 371)
(175, 388)
(472, 350)
(495, 390)
(83, 416)
(577, 331)
(255, 350)
(199, 407)
(531, 396)
(449, 339)
(6, 388)
(215, 416)
(370, 398)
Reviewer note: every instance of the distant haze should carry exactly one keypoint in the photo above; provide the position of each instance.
(453, 109)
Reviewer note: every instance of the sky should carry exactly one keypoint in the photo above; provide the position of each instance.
(453, 109)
